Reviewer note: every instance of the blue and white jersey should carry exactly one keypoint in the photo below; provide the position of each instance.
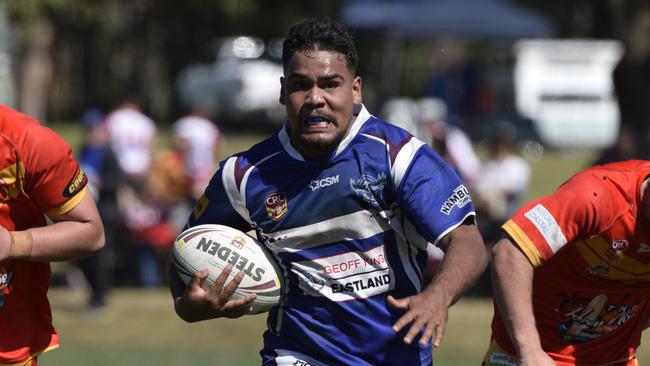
(347, 230)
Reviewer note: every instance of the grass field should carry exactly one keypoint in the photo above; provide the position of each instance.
(139, 326)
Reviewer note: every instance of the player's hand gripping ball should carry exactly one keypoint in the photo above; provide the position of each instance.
(213, 247)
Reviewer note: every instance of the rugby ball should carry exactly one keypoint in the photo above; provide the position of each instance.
(213, 247)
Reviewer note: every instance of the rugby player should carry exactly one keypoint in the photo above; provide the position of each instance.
(347, 203)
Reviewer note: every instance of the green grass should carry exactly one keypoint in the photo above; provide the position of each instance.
(139, 327)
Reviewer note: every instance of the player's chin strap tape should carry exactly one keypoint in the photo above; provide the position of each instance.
(21, 244)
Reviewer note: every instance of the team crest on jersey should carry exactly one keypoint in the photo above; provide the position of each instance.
(276, 205)
(619, 246)
(459, 199)
(369, 188)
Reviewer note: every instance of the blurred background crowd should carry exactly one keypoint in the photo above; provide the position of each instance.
(154, 89)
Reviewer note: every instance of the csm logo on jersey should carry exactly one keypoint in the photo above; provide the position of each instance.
(459, 199)
(325, 182)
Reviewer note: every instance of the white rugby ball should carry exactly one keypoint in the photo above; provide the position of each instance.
(213, 247)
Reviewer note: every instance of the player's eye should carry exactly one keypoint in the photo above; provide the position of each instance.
(299, 85)
(331, 85)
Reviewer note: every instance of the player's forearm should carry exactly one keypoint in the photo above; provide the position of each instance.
(465, 260)
(60, 241)
(512, 276)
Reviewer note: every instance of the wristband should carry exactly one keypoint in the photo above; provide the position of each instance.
(21, 244)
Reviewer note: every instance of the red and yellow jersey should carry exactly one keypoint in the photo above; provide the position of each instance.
(38, 176)
(590, 246)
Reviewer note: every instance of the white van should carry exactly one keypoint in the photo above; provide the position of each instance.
(565, 87)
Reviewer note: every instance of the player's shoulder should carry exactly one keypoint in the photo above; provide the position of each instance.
(385, 131)
(25, 131)
(260, 151)
(623, 177)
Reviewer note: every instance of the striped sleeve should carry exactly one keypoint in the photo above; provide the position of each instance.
(218, 204)
(429, 191)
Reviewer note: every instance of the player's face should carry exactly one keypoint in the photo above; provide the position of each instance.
(319, 92)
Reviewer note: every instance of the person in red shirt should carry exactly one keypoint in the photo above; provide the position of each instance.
(572, 275)
(39, 178)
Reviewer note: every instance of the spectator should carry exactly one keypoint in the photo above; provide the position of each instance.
(105, 178)
(502, 183)
(198, 140)
(449, 140)
(155, 211)
(132, 136)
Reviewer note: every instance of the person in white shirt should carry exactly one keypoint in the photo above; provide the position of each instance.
(133, 137)
(503, 179)
(197, 139)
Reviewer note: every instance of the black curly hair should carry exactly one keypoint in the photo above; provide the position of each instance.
(320, 33)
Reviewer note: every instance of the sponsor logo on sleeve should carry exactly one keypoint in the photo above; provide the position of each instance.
(459, 199)
(547, 226)
(325, 182)
(76, 184)
(347, 276)
(276, 205)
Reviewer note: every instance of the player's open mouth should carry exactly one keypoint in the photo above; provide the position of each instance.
(315, 122)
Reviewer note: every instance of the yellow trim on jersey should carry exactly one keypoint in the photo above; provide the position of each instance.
(67, 205)
(603, 261)
(28, 361)
(524, 243)
(201, 206)
(496, 355)
(13, 177)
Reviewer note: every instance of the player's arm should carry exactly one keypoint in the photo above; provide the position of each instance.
(200, 300)
(75, 234)
(512, 277)
(465, 259)
(534, 234)
(434, 199)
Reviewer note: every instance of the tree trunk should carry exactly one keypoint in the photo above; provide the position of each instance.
(36, 70)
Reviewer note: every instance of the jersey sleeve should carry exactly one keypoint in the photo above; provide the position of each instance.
(580, 207)
(432, 195)
(54, 180)
(214, 207)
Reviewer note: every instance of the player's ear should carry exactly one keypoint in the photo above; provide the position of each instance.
(356, 90)
(283, 101)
